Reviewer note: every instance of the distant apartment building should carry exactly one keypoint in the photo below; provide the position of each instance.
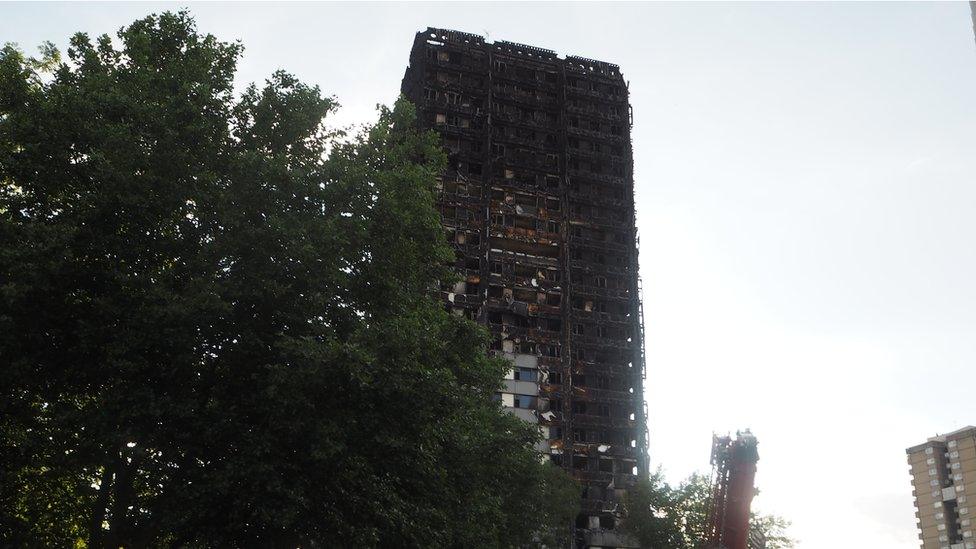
(538, 204)
(944, 477)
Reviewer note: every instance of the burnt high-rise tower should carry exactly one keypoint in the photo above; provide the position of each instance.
(538, 203)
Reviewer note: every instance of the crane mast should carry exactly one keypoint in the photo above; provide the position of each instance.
(733, 487)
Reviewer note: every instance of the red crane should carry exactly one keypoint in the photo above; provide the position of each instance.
(733, 487)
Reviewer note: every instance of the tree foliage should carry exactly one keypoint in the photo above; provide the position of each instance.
(661, 516)
(654, 516)
(774, 530)
(215, 322)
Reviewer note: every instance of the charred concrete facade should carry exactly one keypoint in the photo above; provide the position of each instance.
(538, 205)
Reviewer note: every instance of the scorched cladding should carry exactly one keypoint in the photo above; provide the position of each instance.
(538, 204)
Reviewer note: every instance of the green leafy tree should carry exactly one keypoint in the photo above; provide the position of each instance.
(654, 516)
(694, 496)
(661, 516)
(215, 321)
(773, 530)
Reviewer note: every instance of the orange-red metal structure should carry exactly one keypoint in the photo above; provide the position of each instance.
(733, 487)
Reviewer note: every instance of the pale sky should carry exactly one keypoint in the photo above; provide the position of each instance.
(805, 190)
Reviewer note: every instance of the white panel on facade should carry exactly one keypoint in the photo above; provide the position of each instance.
(527, 415)
(526, 388)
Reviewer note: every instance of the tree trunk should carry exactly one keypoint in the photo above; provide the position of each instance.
(95, 533)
